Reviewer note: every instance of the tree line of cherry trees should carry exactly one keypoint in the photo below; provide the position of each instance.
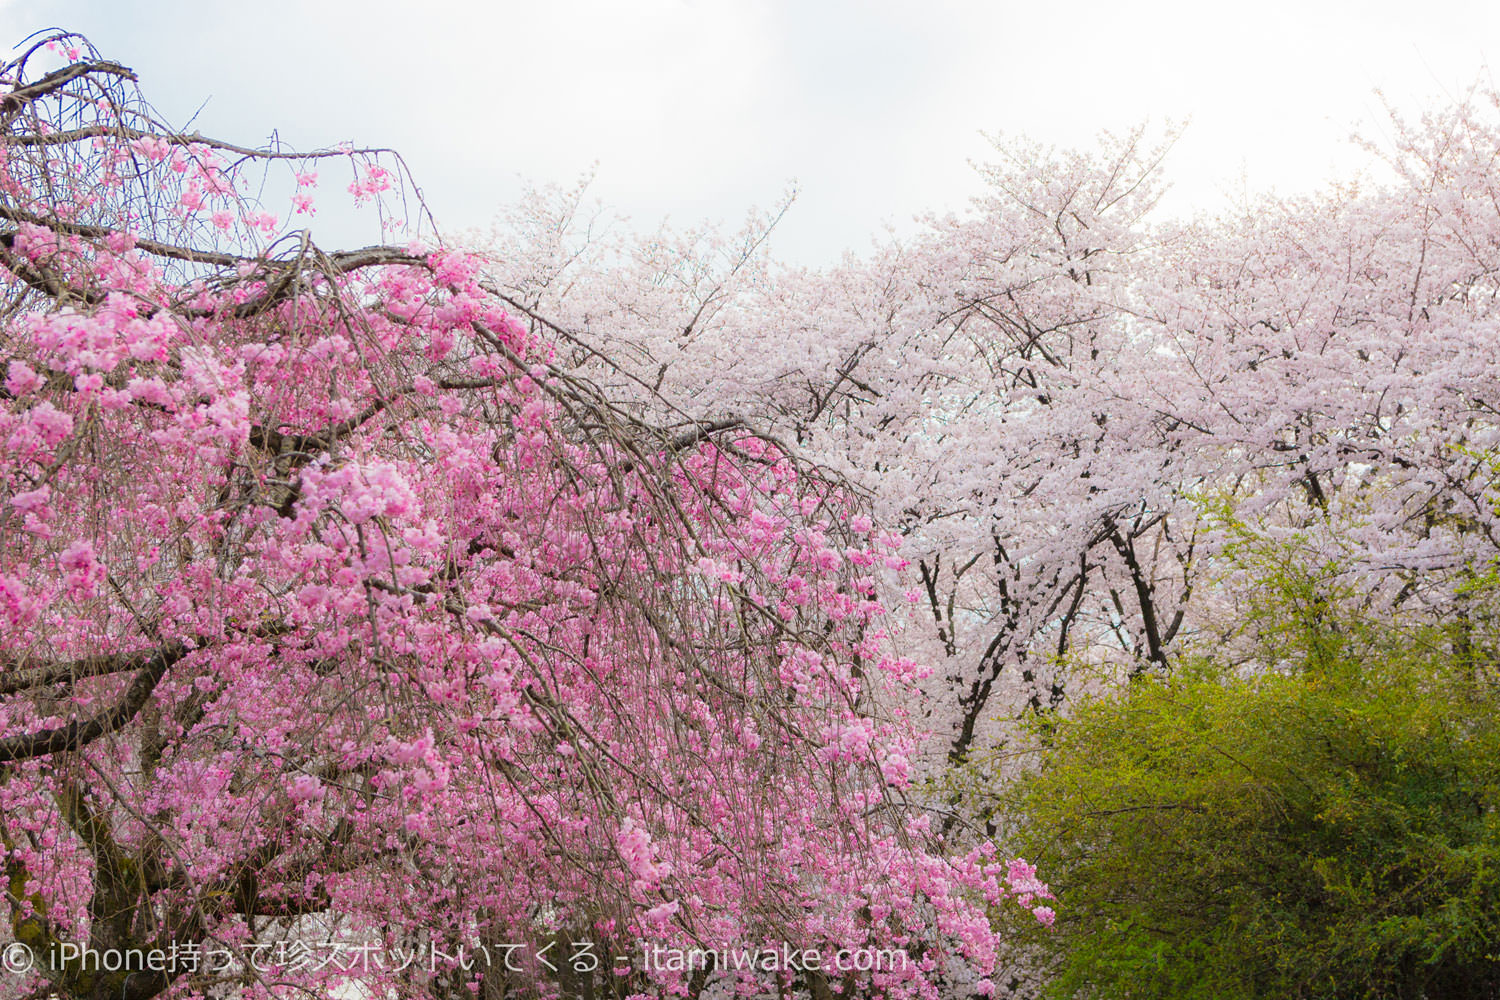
(469, 604)
(1069, 407)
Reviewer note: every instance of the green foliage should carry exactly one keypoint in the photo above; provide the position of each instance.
(1326, 829)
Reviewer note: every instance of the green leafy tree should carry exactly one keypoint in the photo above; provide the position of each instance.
(1323, 829)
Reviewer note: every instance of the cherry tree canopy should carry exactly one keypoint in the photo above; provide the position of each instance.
(332, 608)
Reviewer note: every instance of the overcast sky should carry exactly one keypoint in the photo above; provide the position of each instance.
(696, 109)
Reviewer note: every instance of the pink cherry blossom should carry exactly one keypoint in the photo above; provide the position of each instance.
(332, 601)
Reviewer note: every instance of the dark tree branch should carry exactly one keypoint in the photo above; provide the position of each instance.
(77, 734)
(15, 679)
(17, 99)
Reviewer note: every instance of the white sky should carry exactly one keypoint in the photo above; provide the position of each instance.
(698, 109)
